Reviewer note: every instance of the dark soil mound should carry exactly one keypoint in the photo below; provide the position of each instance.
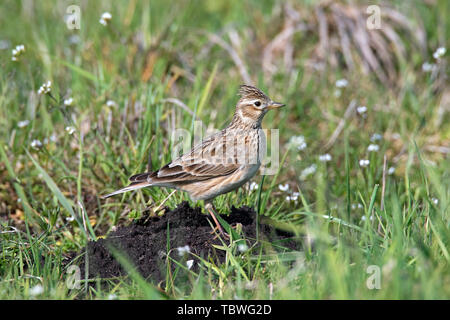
(145, 242)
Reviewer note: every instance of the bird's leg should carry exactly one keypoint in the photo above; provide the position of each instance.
(210, 208)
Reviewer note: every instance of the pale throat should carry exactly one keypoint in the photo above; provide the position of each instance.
(250, 121)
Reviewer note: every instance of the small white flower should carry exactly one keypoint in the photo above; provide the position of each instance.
(36, 144)
(373, 148)
(70, 130)
(361, 109)
(17, 52)
(283, 187)
(298, 142)
(105, 18)
(112, 296)
(363, 218)
(68, 102)
(110, 103)
(428, 67)
(70, 219)
(53, 138)
(189, 264)
(23, 123)
(293, 197)
(364, 162)
(439, 53)
(242, 247)
(376, 137)
(341, 83)
(308, 171)
(183, 250)
(356, 206)
(253, 186)
(325, 157)
(45, 88)
(36, 290)
(391, 170)
(435, 201)
(74, 39)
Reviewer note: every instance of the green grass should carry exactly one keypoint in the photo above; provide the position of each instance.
(348, 217)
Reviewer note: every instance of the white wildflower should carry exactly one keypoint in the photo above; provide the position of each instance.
(363, 218)
(439, 53)
(298, 142)
(325, 157)
(105, 18)
(183, 250)
(293, 197)
(376, 137)
(364, 162)
(391, 170)
(189, 264)
(36, 290)
(356, 206)
(428, 67)
(23, 123)
(110, 103)
(45, 88)
(112, 296)
(68, 102)
(242, 247)
(53, 138)
(253, 186)
(308, 171)
(373, 148)
(17, 52)
(70, 130)
(283, 187)
(70, 219)
(341, 83)
(36, 144)
(435, 201)
(361, 109)
(74, 39)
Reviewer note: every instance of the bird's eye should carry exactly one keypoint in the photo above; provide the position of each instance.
(257, 103)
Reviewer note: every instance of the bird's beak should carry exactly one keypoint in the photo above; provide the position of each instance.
(275, 105)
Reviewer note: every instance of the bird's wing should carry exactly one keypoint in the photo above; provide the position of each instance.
(204, 161)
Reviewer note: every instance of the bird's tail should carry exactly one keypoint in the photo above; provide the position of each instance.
(132, 186)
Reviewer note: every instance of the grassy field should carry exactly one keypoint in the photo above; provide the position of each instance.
(368, 193)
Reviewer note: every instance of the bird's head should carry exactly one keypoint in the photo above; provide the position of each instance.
(253, 105)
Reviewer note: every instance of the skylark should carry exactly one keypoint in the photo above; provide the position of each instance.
(223, 161)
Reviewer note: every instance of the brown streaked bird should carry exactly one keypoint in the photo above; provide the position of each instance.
(220, 163)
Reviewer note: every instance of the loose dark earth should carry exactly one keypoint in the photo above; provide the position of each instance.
(145, 242)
